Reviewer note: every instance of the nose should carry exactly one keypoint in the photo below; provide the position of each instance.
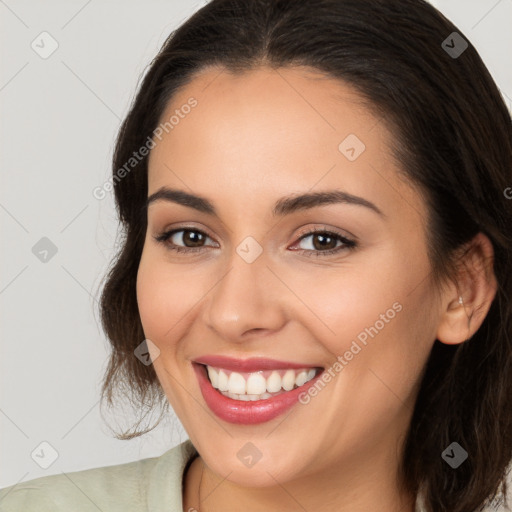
(247, 301)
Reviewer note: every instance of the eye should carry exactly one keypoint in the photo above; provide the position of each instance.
(193, 237)
(324, 243)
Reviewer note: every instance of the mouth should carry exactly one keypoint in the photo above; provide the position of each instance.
(259, 385)
(252, 391)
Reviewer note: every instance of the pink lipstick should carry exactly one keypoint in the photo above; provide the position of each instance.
(249, 409)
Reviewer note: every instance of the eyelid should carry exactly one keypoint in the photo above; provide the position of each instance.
(167, 233)
(310, 229)
(185, 227)
(347, 244)
(315, 228)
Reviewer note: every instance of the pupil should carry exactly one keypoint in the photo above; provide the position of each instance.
(323, 238)
(192, 237)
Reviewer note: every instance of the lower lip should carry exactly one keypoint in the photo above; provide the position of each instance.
(251, 412)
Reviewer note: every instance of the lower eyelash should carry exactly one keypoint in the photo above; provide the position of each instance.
(347, 244)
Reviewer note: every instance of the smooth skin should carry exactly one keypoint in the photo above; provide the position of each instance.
(252, 139)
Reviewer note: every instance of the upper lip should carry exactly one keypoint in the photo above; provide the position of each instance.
(248, 365)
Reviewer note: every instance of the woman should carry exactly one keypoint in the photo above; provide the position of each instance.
(316, 270)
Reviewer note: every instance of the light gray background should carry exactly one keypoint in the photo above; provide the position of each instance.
(59, 119)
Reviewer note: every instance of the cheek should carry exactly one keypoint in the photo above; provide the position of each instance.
(369, 316)
(165, 295)
(345, 304)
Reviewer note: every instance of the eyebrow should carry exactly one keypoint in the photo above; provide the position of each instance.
(282, 207)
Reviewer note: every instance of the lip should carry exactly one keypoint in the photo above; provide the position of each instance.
(251, 412)
(252, 364)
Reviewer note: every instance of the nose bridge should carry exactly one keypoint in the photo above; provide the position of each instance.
(245, 297)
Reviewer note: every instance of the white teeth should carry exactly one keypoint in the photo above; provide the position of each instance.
(223, 381)
(273, 382)
(236, 384)
(254, 386)
(247, 398)
(289, 380)
(301, 378)
(214, 377)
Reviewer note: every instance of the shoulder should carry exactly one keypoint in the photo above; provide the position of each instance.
(142, 485)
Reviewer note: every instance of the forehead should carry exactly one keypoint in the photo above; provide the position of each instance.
(272, 132)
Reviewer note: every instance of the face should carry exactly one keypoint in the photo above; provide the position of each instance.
(337, 291)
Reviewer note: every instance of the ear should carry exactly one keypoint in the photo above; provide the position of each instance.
(476, 283)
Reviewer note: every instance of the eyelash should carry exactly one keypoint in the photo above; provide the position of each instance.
(348, 244)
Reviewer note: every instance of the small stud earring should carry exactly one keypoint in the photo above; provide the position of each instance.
(460, 300)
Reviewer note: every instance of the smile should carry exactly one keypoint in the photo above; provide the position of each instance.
(254, 390)
(260, 385)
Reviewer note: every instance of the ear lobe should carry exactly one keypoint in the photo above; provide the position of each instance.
(477, 286)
